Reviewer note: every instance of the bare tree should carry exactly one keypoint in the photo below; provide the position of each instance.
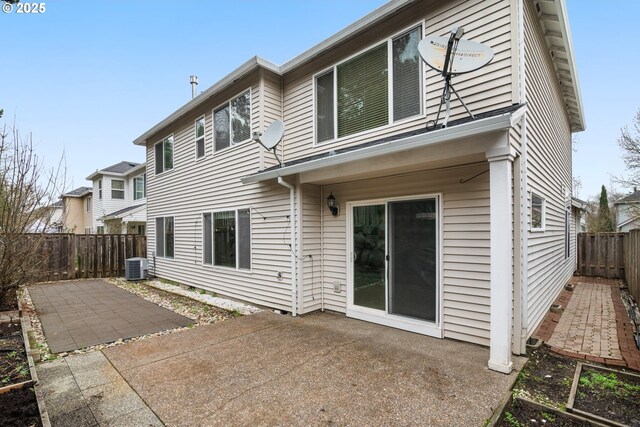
(27, 191)
(629, 141)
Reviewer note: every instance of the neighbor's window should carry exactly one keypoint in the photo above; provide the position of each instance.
(100, 229)
(139, 187)
(200, 137)
(227, 239)
(537, 212)
(354, 95)
(165, 237)
(100, 189)
(164, 154)
(232, 121)
(117, 189)
(89, 202)
(567, 233)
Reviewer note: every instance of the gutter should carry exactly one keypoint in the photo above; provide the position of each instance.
(294, 258)
(490, 124)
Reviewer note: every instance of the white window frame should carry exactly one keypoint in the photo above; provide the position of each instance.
(391, 122)
(88, 203)
(227, 103)
(123, 189)
(543, 213)
(164, 238)
(144, 186)
(173, 149)
(203, 137)
(100, 229)
(213, 254)
(100, 189)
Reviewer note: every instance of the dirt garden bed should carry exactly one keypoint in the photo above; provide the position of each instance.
(18, 402)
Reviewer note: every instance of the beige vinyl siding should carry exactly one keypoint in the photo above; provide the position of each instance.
(311, 243)
(213, 184)
(486, 89)
(271, 110)
(465, 258)
(549, 173)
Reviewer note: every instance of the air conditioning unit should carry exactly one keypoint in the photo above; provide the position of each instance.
(136, 269)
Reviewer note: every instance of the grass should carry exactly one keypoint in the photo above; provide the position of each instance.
(511, 419)
(608, 382)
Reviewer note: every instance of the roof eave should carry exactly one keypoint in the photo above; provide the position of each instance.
(236, 74)
(490, 124)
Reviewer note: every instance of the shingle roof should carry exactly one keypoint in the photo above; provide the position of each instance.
(119, 213)
(121, 167)
(633, 197)
(78, 192)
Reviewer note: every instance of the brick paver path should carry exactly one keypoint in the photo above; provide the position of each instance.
(588, 324)
(83, 313)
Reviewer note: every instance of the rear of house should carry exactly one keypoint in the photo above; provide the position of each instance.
(461, 232)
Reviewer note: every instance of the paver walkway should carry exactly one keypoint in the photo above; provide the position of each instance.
(594, 324)
(588, 324)
(83, 313)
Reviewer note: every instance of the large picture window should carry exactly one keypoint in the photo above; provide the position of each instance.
(226, 239)
(165, 237)
(164, 154)
(232, 121)
(354, 95)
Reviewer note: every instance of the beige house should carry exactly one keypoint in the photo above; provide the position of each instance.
(77, 211)
(462, 232)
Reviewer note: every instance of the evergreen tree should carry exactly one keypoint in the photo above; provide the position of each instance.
(605, 219)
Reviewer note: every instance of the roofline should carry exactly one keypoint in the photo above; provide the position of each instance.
(142, 165)
(78, 195)
(347, 32)
(577, 203)
(490, 124)
(561, 7)
(134, 210)
(246, 68)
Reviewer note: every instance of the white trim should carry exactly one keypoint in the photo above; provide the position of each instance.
(543, 215)
(434, 329)
(227, 104)
(474, 128)
(173, 148)
(390, 122)
(237, 229)
(203, 137)
(144, 186)
(124, 193)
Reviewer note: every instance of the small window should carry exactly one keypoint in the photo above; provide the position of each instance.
(164, 155)
(139, 187)
(232, 122)
(567, 234)
(117, 189)
(537, 212)
(100, 229)
(87, 230)
(142, 229)
(89, 203)
(200, 137)
(165, 237)
(227, 239)
(100, 189)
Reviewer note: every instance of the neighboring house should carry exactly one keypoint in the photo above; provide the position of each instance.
(119, 199)
(50, 219)
(78, 210)
(628, 212)
(579, 209)
(462, 232)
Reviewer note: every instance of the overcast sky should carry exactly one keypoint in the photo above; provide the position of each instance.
(87, 77)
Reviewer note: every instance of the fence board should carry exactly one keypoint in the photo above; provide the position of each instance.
(633, 264)
(602, 254)
(70, 256)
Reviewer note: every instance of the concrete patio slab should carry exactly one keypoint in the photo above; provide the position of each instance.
(319, 369)
(86, 390)
(83, 313)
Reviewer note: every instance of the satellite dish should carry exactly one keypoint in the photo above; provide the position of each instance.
(469, 56)
(271, 137)
(450, 56)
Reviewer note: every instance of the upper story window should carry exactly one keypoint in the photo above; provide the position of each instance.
(139, 187)
(537, 212)
(100, 189)
(200, 137)
(88, 201)
(164, 155)
(232, 121)
(117, 189)
(370, 90)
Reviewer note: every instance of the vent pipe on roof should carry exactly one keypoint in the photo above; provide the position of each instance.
(194, 83)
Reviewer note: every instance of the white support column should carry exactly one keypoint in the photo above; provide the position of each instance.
(501, 217)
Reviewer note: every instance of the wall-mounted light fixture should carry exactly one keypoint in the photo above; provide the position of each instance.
(333, 207)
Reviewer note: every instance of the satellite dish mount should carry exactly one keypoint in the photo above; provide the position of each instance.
(451, 56)
(271, 138)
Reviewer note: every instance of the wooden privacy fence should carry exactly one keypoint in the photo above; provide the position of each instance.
(633, 264)
(602, 254)
(76, 256)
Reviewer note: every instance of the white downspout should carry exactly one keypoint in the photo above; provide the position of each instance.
(524, 192)
(294, 258)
